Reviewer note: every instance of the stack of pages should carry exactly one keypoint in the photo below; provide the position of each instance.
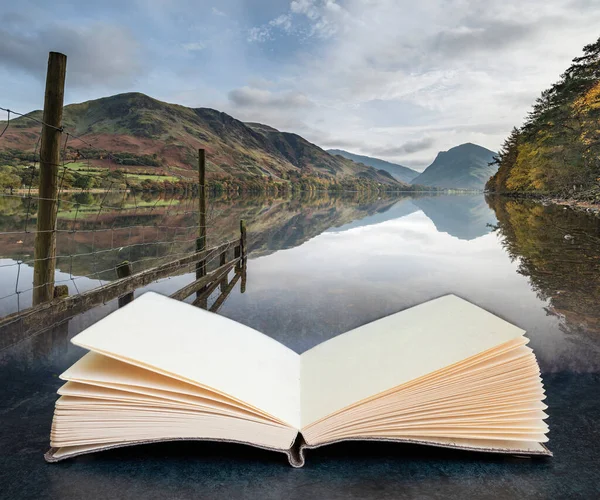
(444, 373)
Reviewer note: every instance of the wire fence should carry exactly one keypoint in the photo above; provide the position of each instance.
(16, 323)
(104, 215)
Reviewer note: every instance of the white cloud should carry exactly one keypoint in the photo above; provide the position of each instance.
(284, 21)
(259, 34)
(395, 78)
(306, 18)
(473, 68)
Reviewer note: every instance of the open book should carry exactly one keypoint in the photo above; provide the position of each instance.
(444, 373)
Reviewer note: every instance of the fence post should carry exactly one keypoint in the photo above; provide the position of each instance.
(237, 254)
(243, 238)
(44, 252)
(201, 240)
(124, 269)
(60, 333)
(244, 279)
(222, 262)
(241, 253)
(61, 291)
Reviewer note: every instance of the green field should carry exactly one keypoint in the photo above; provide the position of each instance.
(85, 169)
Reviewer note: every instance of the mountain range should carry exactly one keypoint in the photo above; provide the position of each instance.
(400, 172)
(464, 167)
(144, 133)
(158, 141)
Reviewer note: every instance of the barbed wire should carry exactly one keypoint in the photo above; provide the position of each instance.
(108, 269)
(78, 218)
(210, 302)
(78, 137)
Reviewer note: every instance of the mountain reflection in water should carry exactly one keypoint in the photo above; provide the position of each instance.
(320, 265)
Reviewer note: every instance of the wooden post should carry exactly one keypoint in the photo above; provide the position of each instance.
(60, 332)
(61, 291)
(241, 252)
(222, 262)
(243, 237)
(237, 253)
(201, 240)
(44, 252)
(244, 278)
(124, 269)
(223, 297)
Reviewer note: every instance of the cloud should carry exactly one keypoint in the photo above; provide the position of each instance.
(396, 79)
(403, 80)
(488, 36)
(284, 21)
(409, 147)
(306, 18)
(259, 34)
(249, 97)
(97, 54)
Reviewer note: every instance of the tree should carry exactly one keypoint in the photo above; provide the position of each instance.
(84, 182)
(558, 146)
(9, 179)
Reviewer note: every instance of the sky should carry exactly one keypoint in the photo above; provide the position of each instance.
(398, 80)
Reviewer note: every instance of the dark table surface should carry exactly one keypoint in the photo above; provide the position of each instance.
(29, 380)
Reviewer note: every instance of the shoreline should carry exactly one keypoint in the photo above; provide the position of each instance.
(581, 205)
(572, 203)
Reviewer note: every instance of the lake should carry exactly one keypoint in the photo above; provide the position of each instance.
(318, 266)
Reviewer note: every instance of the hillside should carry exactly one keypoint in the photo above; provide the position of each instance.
(150, 137)
(399, 172)
(463, 167)
(556, 151)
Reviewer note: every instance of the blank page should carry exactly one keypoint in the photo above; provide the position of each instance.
(394, 350)
(171, 337)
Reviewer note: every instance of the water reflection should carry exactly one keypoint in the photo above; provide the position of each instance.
(320, 265)
(559, 251)
(463, 216)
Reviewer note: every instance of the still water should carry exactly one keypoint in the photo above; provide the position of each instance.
(318, 266)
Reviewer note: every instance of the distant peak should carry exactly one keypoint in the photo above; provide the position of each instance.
(130, 96)
(469, 145)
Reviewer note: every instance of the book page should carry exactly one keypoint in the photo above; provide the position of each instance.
(189, 343)
(394, 350)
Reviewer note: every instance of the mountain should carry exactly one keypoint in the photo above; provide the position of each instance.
(465, 166)
(142, 133)
(399, 172)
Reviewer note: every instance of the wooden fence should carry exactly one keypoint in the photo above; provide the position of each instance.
(232, 254)
(52, 304)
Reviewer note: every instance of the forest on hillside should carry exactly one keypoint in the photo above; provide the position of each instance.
(557, 150)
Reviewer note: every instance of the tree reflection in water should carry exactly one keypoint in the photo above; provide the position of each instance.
(558, 249)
